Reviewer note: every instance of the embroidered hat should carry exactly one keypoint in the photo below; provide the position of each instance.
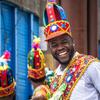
(7, 83)
(36, 62)
(55, 20)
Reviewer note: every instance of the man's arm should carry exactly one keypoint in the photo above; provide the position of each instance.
(94, 74)
(41, 97)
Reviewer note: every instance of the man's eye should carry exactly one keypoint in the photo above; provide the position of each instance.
(53, 45)
(64, 41)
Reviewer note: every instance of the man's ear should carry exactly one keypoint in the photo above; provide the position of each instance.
(48, 45)
(73, 44)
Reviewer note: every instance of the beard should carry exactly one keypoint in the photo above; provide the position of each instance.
(67, 60)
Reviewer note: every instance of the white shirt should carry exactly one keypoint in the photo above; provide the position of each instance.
(88, 87)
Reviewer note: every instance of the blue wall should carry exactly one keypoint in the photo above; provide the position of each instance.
(17, 28)
(7, 32)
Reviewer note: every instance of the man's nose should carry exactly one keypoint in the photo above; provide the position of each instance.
(60, 47)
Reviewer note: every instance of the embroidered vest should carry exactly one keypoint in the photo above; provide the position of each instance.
(72, 74)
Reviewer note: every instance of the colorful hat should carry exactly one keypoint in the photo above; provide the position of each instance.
(55, 20)
(36, 62)
(7, 83)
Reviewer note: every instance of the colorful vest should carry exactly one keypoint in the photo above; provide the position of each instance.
(72, 74)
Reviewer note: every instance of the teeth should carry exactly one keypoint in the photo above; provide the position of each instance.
(62, 53)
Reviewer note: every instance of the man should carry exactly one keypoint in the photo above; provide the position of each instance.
(83, 87)
(80, 73)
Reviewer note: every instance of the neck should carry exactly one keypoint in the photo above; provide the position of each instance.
(63, 66)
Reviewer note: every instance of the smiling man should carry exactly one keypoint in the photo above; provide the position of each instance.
(80, 73)
(62, 48)
(77, 77)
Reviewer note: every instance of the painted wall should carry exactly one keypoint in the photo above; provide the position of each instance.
(30, 5)
(98, 19)
(99, 29)
(17, 28)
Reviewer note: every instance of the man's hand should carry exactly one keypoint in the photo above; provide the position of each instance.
(40, 97)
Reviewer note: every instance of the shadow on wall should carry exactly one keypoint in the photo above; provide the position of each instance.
(99, 49)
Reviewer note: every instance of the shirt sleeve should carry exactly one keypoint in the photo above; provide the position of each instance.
(94, 74)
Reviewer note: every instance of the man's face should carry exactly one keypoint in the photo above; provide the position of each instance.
(62, 48)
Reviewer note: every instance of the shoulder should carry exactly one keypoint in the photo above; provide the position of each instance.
(91, 62)
(93, 70)
(94, 66)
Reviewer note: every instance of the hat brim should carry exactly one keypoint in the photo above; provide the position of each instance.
(56, 34)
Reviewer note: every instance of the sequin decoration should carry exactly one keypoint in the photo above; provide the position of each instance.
(68, 79)
(63, 26)
(53, 28)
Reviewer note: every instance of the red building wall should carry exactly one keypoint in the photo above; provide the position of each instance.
(82, 15)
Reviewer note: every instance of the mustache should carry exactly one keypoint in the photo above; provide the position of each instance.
(71, 53)
(62, 50)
